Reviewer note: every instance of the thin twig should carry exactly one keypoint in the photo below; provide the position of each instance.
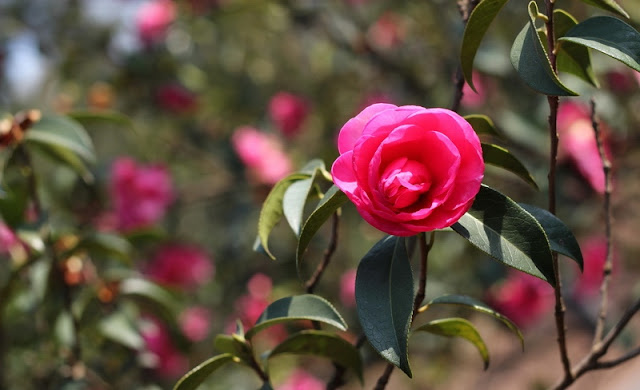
(310, 285)
(465, 7)
(606, 271)
(384, 378)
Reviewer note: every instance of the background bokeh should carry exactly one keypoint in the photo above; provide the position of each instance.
(209, 103)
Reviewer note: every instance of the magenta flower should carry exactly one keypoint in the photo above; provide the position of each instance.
(301, 380)
(195, 323)
(578, 142)
(409, 169)
(260, 286)
(154, 18)
(594, 252)
(180, 265)
(262, 154)
(141, 194)
(288, 112)
(8, 239)
(348, 288)
(471, 99)
(522, 298)
(162, 354)
(176, 98)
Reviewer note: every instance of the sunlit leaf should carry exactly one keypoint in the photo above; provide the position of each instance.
(482, 124)
(502, 158)
(505, 231)
(142, 288)
(532, 63)
(477, 25)
(322, 344)
(272, 210)
(458, 327)
(384, 299)
(572, 58)
(119, 328)
(610, 36)
(201, 372)
(294, 201)
(608, 5)
(559, 235)
(301, 307)
(471, 303)
(330, 203)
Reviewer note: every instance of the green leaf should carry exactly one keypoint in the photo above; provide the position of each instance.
(138, 287)
(272, 210)
(505, 231)
(300, 307)
(88, 118)
(67, 157)
(384, 299)
(323, 344)
(573, 59)
(477, 26)
(458, 327)
(295, 198)
(608, 5)
(559, 235)
(201, 372)
(329, 204)
(107, 244)
(610, 36)
(234, 346)
(119, 328)
(482, 124)
(62, 132)
(532, 63)
(471, 303)
(501, 157)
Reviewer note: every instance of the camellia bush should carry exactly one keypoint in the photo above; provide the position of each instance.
(96, 294)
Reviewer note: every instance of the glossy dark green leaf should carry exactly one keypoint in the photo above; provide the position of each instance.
(502, 158)
(471, 303)
(559, 235)
(530, 59)
(63, 133)
(477, 25)
(505, 231)
(119, 328)
(301, 307)
(573, 59)
(201, 372)
(482, 124)
(610, 36)
(233, 345)
(608, 5)
(266, 386)
(458, 327)
(333, 199)
(322, 344)
(294, 201)
(384, 299)
(272, 210)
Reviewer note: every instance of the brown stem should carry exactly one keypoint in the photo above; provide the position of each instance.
(310, 285)
(384, 378)
(606, 271)
(465, 7)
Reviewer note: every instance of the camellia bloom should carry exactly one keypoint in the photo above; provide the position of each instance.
(594, 252)
(262, 154)
(141, 194)
(301, 380)
(288, 112)
(195, 323)
(163, 355)
(348, 288)
(409, 169)
(153, 19)
(180, 265)
(176, 98)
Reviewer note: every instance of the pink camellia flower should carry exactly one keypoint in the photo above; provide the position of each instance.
(522, 298)
(153, 19)
(176, 98)
(165, 358)
(348, 288)
(388, 31)
(262, 154)
(180, 265)
(141, 194)
(301, 380)
(409, 169)
(260, 286)
(578, 142)
(594, 252)
(288, 112)
(195, 323)
(8, 239)
(474, 99)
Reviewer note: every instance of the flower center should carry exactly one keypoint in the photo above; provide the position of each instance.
(404, 181)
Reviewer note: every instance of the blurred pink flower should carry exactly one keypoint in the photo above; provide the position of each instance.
(301, 380)
(180, 265)
(141, 194)
(594, 253)
(176, 98)
(522, 298)
(262, 154)
(166, 360)
(388, 31)
(260, 286)
(471, 99)
(288, 112)
(153, 19)
(622, 80)
(348, 288)
(578, 142)
(195, 323)
(8, 239)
